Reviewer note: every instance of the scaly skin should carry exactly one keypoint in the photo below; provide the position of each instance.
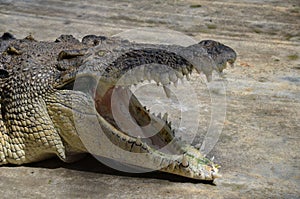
(51, 90)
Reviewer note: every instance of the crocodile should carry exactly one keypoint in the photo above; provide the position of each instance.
(52, 90)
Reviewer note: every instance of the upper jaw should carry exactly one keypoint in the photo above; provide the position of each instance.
(187, 161)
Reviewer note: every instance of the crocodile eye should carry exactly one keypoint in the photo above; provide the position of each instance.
(205, 42)
(69, 54)
(3, 74)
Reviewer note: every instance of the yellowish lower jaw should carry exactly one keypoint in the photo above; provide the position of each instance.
(143, 150)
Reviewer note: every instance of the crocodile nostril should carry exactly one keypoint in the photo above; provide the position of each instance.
(3, 74)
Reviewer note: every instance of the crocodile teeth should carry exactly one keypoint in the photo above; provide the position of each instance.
(207, 176)
(138, 141)
(185, 71)
(155, 76)
(164, 163)
(216, 175)
(172, 76)
(191, 174)
(167, 90)
(165, 117)
(188, 77)
(184, 161)
(179, 74)
(209, 77)
(172, 166)
(164, 78)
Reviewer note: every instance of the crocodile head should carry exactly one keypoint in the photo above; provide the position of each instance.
(89, 86)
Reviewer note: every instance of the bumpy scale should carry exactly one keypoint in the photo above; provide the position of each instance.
(45, 85)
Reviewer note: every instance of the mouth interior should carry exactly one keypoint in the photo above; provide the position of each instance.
(121, 108)
(135, 129)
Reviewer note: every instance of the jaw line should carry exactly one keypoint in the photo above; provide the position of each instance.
(136, 151)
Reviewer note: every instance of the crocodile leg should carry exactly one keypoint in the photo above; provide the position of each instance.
(29, 135)
(4, 140)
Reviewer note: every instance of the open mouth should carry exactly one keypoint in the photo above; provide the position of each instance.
(129, 125)
(132, 127)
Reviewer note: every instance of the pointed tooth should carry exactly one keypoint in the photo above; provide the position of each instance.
(131, 87)
(164, 78)
(164, 163)
(209, 77)
(165, 117)
(157, 82)
(184, 161)
(188, 77)
(138, 141)
(207, 176)
(149, 76)
(155, 76)
(191, 174)
(185, 70)
(172, 166)
(179, 74)
(216, 175)
(201, 173)
(167, 90)
(156, 160)
(172, 76)
(182, 81)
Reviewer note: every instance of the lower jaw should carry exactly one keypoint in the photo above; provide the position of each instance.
(161, 151)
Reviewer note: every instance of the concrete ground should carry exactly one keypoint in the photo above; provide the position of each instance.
(260, 142)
